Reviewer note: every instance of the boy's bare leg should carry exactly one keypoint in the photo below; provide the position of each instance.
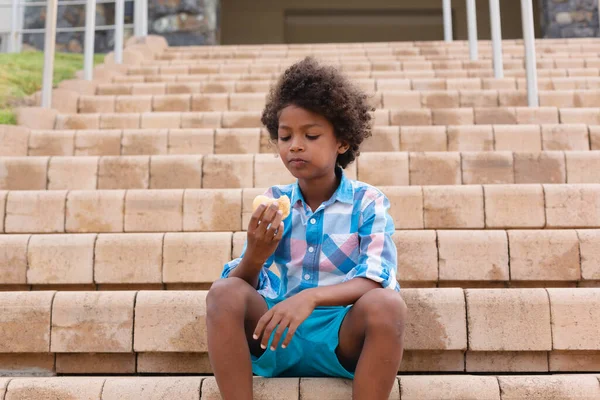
(233, 309)
(372, 342)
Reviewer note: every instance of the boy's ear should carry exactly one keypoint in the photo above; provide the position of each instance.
(343, 147)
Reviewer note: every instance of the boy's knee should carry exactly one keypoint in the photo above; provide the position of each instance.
(384, 306)
(226, 292)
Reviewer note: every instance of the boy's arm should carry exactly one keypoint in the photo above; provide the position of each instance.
(341, 294)
(248, 270)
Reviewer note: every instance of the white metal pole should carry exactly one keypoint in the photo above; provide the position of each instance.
(20, 23)
(137, 18)
(472, 28)
(496, 38)
(49, 46)
(90, 31)
(119, 17)
(447, 9)
(14, 21)
(144, 17)
(530, 58)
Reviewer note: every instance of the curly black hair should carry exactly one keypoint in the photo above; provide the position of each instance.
(326, 91)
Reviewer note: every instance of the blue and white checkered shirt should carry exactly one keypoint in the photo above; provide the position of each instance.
(348, 236)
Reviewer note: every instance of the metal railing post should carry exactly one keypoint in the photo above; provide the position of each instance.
(530, 58)
(137, 17)
(472, 28)
(49, 46)
(144, 31)
(119, 21)
(90, 32)
(14, 21)
(447, 9)
(496, 39)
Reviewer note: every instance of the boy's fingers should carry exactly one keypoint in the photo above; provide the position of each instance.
(268, 331)
(274, 224)
(290, 333)
(279, 331)
(279, 232)
(262, 322)
(256, 217)
(267, 217)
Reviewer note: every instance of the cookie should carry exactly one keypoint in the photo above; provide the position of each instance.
(283, 202)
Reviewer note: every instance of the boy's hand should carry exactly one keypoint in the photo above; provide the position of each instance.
(264, 232)
(290, 313)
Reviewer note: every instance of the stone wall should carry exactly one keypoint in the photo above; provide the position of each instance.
(181, 22)
(569, 18)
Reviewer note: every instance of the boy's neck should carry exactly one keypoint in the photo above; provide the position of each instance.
(319, 190)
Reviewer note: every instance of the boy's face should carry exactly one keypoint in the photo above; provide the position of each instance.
(307, 143)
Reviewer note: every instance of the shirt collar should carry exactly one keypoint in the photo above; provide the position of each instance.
(344, 193)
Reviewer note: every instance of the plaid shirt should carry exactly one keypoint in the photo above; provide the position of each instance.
(348, 236)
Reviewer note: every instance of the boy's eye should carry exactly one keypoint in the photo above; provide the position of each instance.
(312, 137)
(284, 139)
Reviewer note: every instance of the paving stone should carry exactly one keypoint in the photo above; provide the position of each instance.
(435, 168)
(88, 322)
(572, 205)
(384, 139)
(131, 172)
(25, 322)
(183, 250)
(487, 167)
(35, 212)
(56, 388)
(168, 321)
(522, 138)
(13, 259)
(406, 206)
(154, 210)
(263, 389)
(547, 255)
(449, 387)
(207, 210)
(191, 141)
(470, 138)
(473, 255)
(507, 361)
(23, 173)
(453, 207)
(582, 166)
(128, 258)
(51, 143)
(512, 206)
(181, 172)
(589, 247)
(417, 255)
(544, 167)
(152, 388)
(74, 173)
(144, 142)
(226, 171)
(371, 165)
(565, 137)
(575, 318)
(440, 312)
(508, 320)
(95, 211)
(237, 141)
(331, 388)
(98, 143)
(554, 387)
(14, 140)
(96, 363)
(423, 138)
(60, 259)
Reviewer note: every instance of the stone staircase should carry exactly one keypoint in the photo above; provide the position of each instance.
(120, 207)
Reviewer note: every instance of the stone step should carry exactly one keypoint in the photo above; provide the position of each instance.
(382, 117)
(466, 86)
(537, 206)
(233, 171)
(495, 258)
(358, 64)
(392, 99)
(449, 330)
(199, 73)
(407, 387)
(16, 141)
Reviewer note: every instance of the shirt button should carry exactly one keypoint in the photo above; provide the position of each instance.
(307, 277)
(311, 249)
(313, 221)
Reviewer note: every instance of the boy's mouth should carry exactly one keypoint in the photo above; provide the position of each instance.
(297, 162)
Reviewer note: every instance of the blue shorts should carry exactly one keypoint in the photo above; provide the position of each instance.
(311, 352)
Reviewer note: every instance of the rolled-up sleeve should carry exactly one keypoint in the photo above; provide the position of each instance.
(378, 255)
(268, 282)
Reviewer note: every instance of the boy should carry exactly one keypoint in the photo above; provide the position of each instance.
(336, 310)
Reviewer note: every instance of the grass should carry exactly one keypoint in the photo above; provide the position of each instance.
(21, 76)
